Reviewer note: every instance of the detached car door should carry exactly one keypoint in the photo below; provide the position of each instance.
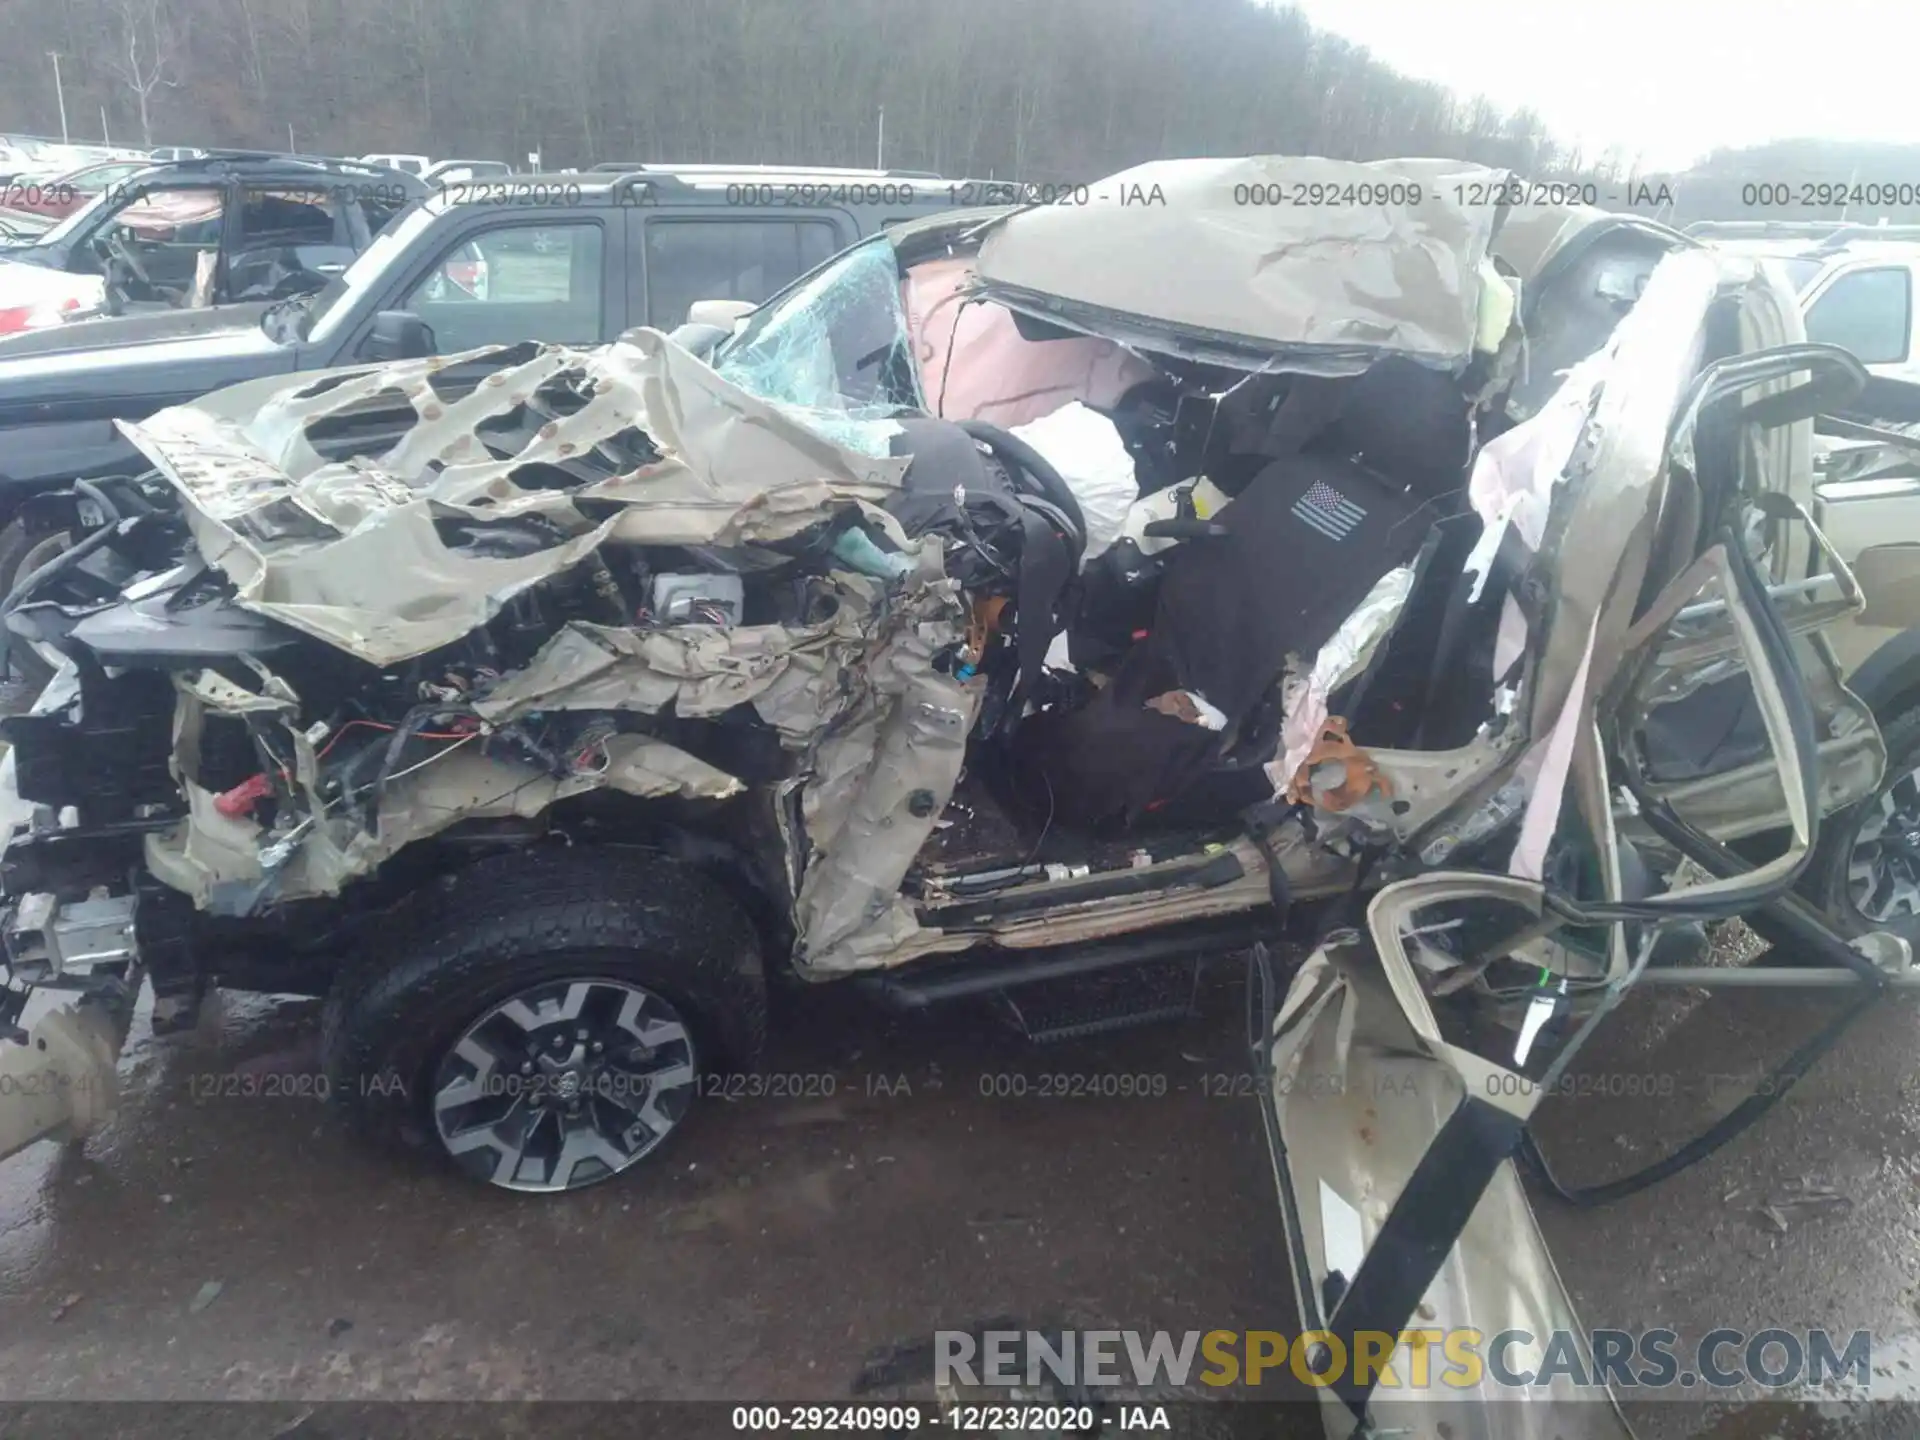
(1428, 1301)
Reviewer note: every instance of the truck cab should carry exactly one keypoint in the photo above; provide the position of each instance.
(1856, 283)
(1862, 301)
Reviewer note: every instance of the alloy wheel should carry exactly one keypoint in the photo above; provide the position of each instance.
(565, 1084)
(1883, 865)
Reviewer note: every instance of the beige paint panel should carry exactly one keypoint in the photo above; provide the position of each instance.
(1402, 274)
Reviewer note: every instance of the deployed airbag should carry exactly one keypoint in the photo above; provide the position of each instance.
(975, 364)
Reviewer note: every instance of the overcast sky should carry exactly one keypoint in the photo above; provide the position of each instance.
(1670, 79)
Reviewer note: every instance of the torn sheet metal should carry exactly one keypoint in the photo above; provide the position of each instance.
(1342, 658)
(793, 676)
(225, 863)
(1362, 1090)
(1531, 235)
(882, 777)
(635, 442)
(1277, 251)
(1600, 537)
(349, 550)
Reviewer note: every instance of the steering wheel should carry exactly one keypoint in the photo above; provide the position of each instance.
(1033, 474)
(117, 249)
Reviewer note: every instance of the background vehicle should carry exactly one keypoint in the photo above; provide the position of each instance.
(65, 193)
(17, 228)
(177, 152)
(1857, 283)
(415, 165)
(36, 157)
(201, 233)
(446, 172)
(462, 277)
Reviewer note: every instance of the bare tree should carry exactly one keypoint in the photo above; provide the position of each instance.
(144, 53)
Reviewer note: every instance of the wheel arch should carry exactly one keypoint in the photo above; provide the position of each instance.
(1888, 680)
(301, 949)
(512, 924)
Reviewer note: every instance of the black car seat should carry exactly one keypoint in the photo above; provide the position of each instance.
(1276, 572)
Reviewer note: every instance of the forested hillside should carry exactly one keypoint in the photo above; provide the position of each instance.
(1040, 89)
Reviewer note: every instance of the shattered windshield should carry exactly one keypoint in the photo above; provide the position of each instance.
(833, 350)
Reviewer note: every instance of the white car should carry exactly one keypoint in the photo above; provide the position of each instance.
(411, 164)
(1856, 283)
(32, 296)
(1856, 286)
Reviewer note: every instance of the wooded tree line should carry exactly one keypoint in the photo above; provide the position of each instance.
(1827, 180)
(1035, 89)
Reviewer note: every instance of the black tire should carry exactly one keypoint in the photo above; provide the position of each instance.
(1827, 883)
(500, 928)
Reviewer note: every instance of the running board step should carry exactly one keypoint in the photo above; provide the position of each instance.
(989, 970)
(1073, 1009)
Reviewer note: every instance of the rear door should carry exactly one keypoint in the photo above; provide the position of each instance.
(1394, 1121)
(1409, 1235)
(737, 253)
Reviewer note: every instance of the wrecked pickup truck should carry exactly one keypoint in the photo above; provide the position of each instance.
(1021, 593)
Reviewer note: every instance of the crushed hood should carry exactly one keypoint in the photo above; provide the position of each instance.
(393, 511)
(1269, 251)
(635, 441)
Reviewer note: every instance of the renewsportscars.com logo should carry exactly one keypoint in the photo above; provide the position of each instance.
(1461, 1359)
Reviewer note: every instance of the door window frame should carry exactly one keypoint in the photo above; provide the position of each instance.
(401, 290)
(844, 231)
(1840, 277)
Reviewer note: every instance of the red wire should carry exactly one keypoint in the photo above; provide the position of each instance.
(377, 725)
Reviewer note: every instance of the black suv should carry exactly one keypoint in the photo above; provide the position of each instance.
(226, 227)
(574, 258)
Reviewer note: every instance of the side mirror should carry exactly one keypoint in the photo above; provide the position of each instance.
(700, 340)
(397, 335)
(725, 314)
